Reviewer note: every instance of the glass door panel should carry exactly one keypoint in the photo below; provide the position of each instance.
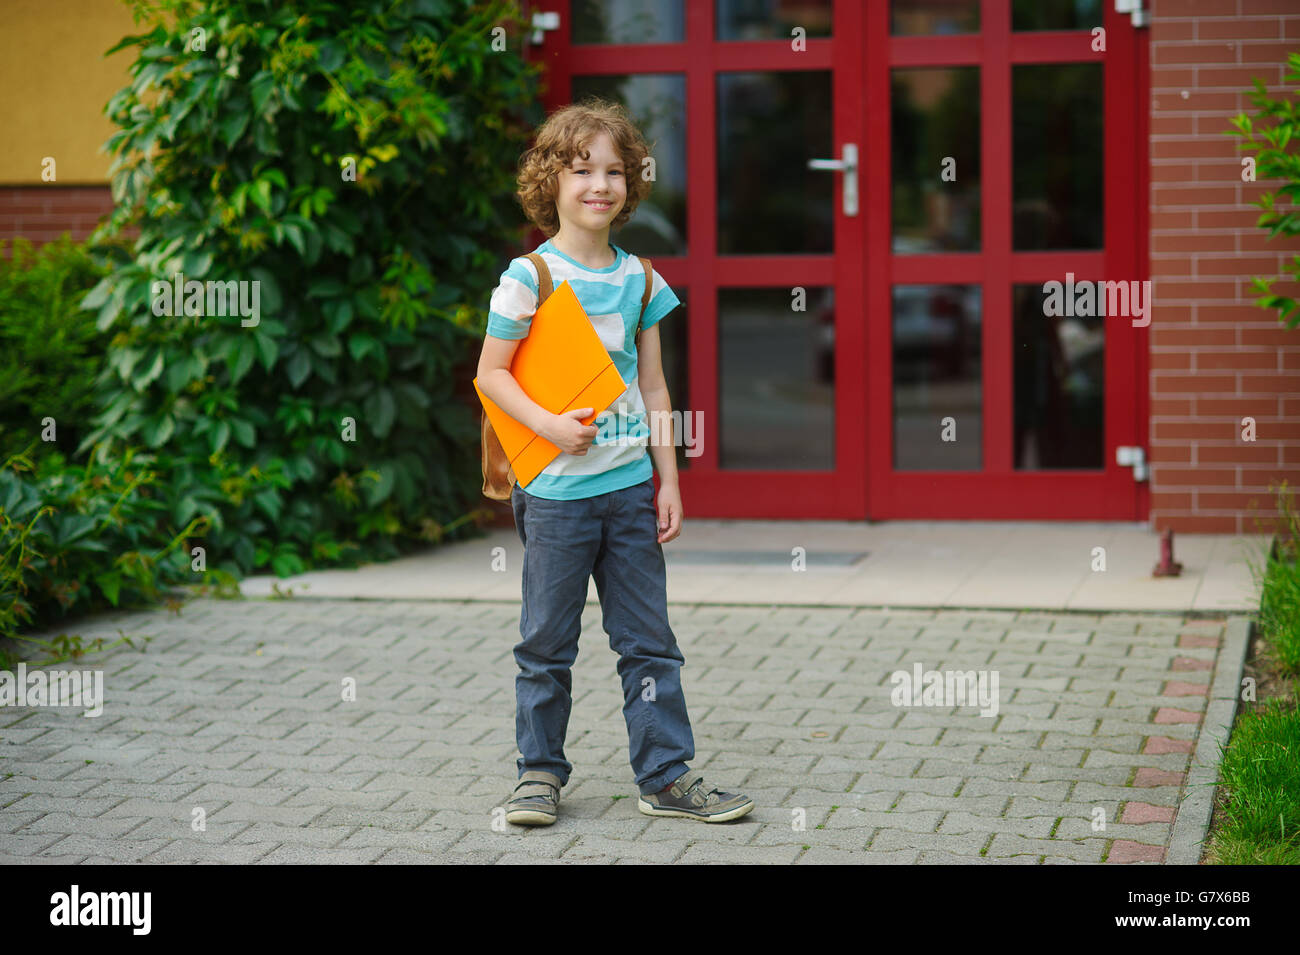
(769, 201)
(657, 104)
(1057, 153)
(926, 17)
(772, 19)
(935, 128)
(1000, 405)
(938, 378)
(627, 21)
(776, 379)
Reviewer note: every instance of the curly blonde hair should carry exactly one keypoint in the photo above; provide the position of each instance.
(565, 134)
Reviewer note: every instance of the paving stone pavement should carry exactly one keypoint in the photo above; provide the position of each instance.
(229, 740)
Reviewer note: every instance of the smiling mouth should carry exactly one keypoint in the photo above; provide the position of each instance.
(598, 205)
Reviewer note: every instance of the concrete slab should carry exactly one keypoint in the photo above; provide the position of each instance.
(1081, 566)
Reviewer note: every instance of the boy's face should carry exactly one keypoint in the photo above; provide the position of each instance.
(591, 191)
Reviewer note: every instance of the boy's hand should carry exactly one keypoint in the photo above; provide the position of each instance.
(670, 512)
(569, 434)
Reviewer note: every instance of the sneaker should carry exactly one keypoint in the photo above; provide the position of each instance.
(692, 797)
(535, 799)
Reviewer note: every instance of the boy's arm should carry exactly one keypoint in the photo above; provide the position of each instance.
(510, 313)
(498, 384)
(658, 403)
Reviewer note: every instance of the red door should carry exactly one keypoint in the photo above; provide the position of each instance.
(875, 339)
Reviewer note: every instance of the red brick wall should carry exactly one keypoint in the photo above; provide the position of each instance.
(43, 213)
(1216, 358)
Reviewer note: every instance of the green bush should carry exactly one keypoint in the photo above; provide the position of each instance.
(74, 538)
(50, 349)
(327, 432)
(77, 538)
(1275, 132)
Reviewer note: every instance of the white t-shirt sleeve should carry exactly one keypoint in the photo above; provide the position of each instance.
(514, 300)
(662, 301)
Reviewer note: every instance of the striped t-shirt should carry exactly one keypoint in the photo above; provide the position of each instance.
(617, 457)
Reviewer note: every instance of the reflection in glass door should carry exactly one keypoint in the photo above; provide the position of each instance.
(883, 351)
(751, 238)
(1011, 165)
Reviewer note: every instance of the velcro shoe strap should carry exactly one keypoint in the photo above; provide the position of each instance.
(537, 783)
(525, 791)
(687, 781)
(540, 776)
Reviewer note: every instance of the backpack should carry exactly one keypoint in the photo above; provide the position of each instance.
(498, 475)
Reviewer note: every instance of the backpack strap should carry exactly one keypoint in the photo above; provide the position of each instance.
(544, 287)
(645, 297)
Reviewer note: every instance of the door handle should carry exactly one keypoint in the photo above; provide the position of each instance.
(848, 166)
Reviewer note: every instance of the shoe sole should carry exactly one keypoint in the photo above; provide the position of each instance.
(727, 816)
(529, 817)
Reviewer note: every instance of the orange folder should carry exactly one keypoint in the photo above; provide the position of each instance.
(561, 364)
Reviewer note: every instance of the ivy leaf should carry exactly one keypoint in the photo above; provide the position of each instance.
(414, 394)
(181, 373)
(327, 346)
(267, 349)
(360, 345)
(195, 264)
(338, 314)
(219, 436)
(99, 294)
(152, 371)
(380, 411)
(331, 55)
(110, 583)
(244, 432)
(298, 367)
(158, 430)
(324, 288)
(185, 508)
(261, 195)
(294, 235)
(239, 357)
(69, 528)
(270, 301)
(260, 89)
(233, 126)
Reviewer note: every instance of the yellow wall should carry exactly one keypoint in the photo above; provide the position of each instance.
(54, 83)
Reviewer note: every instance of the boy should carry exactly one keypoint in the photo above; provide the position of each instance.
(592, 511)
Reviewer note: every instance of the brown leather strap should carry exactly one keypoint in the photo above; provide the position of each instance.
(645, 297)
(544, 287)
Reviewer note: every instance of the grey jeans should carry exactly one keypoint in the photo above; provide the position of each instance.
(614, 538)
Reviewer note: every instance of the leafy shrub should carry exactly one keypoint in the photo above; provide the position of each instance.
(50, 349)
(76, 538)
(1275, 131)
(328, 430)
